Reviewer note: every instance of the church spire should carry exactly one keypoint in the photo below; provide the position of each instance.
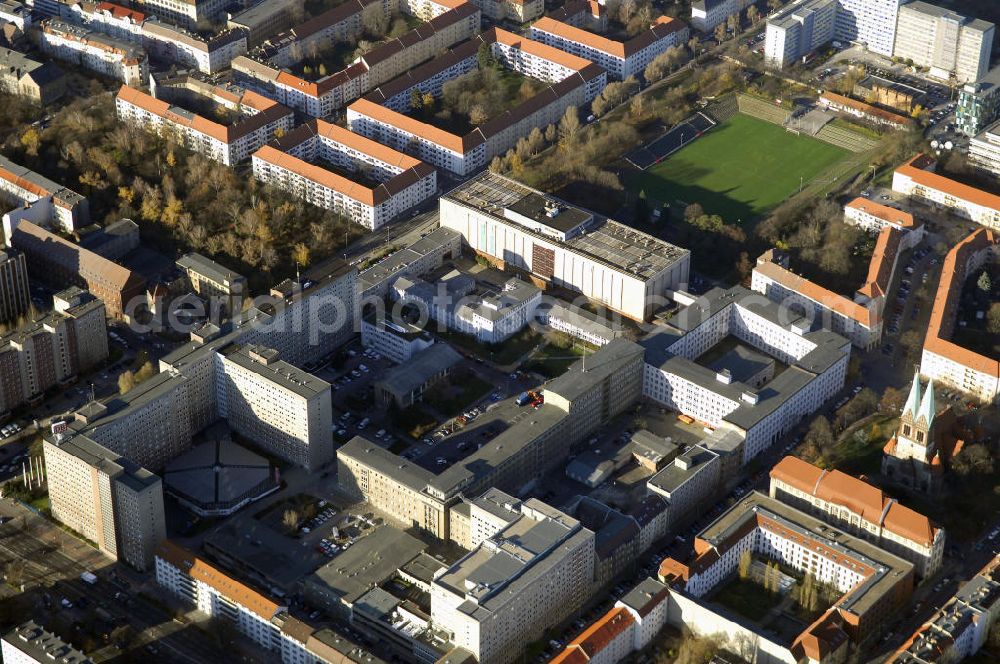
(927, 405)
(913, 401)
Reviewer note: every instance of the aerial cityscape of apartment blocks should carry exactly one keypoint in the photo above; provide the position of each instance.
(492, 332)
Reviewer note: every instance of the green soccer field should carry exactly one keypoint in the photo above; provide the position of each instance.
(739, 170)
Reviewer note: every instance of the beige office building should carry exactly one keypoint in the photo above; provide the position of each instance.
(105, 498)
(950, 45)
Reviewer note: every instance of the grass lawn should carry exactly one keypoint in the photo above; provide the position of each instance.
(747, 598)
(739, 170)
(457, 393)
(857, 454)
(551, 360)
(508, 352)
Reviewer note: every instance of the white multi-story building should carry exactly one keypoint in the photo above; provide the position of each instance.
(381, 116)
(620, 268)
(875, 584)
(917, 179)
(260, 120)
(490, 316)
(29, 643)
(396, 340)
(108, 18)
(806, 25)
(951, 46)
(52, 203)
(718, 397)
(209, 55)
(984, 150)
(101, 54)
(863, 509)
(868, 22)
(16, 13)
(386, 182)
(218, 595)
(106, 498)
(960, 628)
(861, 317)
(189, 13)
(798, 29)
(942, 359)
(503, 595)
(286, 410)
(621, 59)
(706, 14)
(873, 217)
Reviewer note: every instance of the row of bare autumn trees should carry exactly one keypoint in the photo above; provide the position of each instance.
(182, 201)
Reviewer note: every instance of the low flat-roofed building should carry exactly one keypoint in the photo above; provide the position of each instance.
(490, 314)
(30, 642)
(405, 385)
(424, 255)
(264, 19)
(340, 583)
(42, 82)
(862, 508)
(396, 340)
(691, 479)
(504, 594)
(577, 322)
(219, 477)
(336, 169)
(516, 226)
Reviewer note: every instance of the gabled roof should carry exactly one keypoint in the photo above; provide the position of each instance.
(861, 498)
(913, 400)
(227, 586)
(604, 631)
(884, 212)
(944, 311)
(914, 169)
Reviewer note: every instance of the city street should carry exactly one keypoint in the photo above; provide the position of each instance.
(52, 563)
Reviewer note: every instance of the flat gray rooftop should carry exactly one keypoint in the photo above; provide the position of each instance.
(370, 561)
(609, 242)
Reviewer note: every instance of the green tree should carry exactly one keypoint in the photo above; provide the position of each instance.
(484, 57)
(993, 318)
(984, 283)
(126, 381)
(569, 125)
(746, 560)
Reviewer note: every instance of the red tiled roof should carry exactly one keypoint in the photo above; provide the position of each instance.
(914, 169)
(862, 107)
(121, 12)
(884, 212)
(227, 586)
(604, 631)
(944, 311)
(859, 497)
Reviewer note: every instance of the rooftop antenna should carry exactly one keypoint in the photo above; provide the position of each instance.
(93, 393)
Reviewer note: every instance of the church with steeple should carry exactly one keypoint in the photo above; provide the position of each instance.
(914, 457)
